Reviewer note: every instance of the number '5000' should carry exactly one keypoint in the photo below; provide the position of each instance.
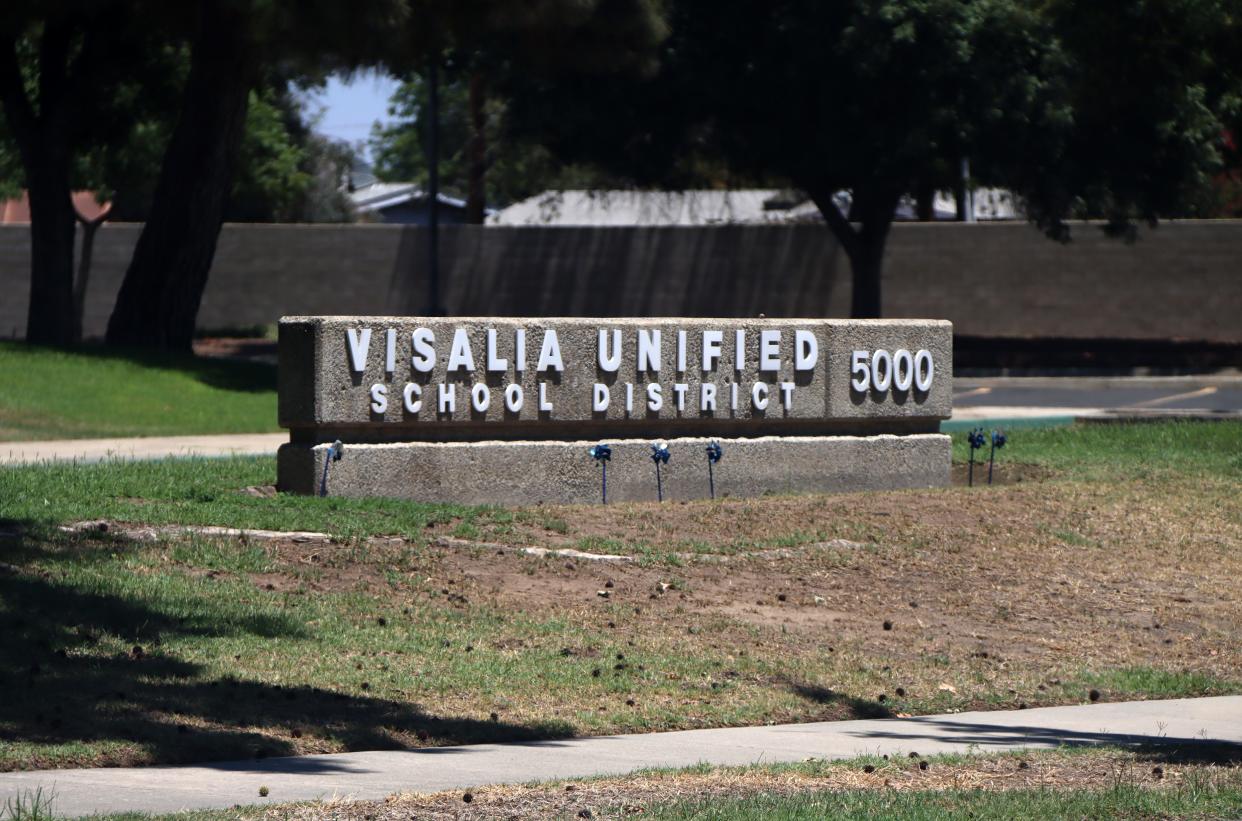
(880, 370)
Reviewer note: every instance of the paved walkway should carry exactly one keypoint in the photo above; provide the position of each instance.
(144, 447)
(378, 774)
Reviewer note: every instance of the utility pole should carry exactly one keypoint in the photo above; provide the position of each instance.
(434, 308)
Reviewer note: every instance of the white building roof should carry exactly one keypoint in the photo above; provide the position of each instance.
(753, 206)
(652, 208)
(380, 195)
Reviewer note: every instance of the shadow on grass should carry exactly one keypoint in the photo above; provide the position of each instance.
(856, 707)
(88, 667)
(226, 374)
(986, 736)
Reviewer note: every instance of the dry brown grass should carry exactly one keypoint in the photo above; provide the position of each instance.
(633, 796)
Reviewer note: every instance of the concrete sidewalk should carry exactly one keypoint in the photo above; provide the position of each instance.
(143, 447)
(378, 774)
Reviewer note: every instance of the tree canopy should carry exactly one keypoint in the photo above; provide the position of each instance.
(1111, 109)
(70, 68)
(512, 168)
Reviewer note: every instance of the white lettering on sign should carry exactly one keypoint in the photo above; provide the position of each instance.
(480, 397)
(460, 355)
(769, 350)
(759, 396)
(707, 398)
(494, 363)
(649, 351)
(423, 343)
(550, 353)
(806, 351)
(903, 370)
(879, 370)
(359, 347)
(379, 398)
(609, 362)
(447, 398)
(514, 398)
(412, 398)
(711, 349)
(787, 389)
(778, 354)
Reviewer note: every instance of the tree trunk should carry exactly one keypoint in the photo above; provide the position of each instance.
(89, 228)
(50, 317)
(925, 203)
(42, 137)
(867, 265)
(864, 245)
(476, 193)
(163, 287)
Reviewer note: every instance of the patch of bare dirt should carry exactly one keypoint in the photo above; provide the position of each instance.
(1005, 473)
(1018, 575)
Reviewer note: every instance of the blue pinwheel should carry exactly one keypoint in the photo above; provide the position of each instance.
(333, 454)
(714, 452)
(659, 455)
(998, 441)
(977, 439)
(602, 454)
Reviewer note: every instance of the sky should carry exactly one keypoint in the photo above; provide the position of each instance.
(349, 107)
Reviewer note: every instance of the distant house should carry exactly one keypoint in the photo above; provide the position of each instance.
(741, 207)
(403, 203)
(17, 210)
(657, 208)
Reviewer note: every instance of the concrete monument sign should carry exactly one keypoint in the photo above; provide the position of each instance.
(505, 410)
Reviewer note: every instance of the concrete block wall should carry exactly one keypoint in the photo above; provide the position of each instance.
(1182, 280)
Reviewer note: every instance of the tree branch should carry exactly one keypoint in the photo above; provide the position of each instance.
(837, 222)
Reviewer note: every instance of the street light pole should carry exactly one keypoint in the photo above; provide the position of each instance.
(434, 308)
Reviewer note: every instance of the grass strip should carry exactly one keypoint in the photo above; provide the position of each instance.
(92, 392)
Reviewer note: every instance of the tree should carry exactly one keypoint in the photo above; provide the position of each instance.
(61, 65)
(163, 286)
(232, 41)
(881, 98)
(1153, 87)
(479, 161)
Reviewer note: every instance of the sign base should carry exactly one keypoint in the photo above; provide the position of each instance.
(529, 473)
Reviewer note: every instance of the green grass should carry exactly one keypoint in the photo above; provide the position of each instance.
(200, 491)
(52, 393)
(207, 491)
(1138, 450)
(367, 646)
(1121, 802)
(1075, 782)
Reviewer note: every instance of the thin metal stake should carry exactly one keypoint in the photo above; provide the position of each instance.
(604, 489)
(323, 483)
(711, 482)
(333, 455)
(659, 485)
